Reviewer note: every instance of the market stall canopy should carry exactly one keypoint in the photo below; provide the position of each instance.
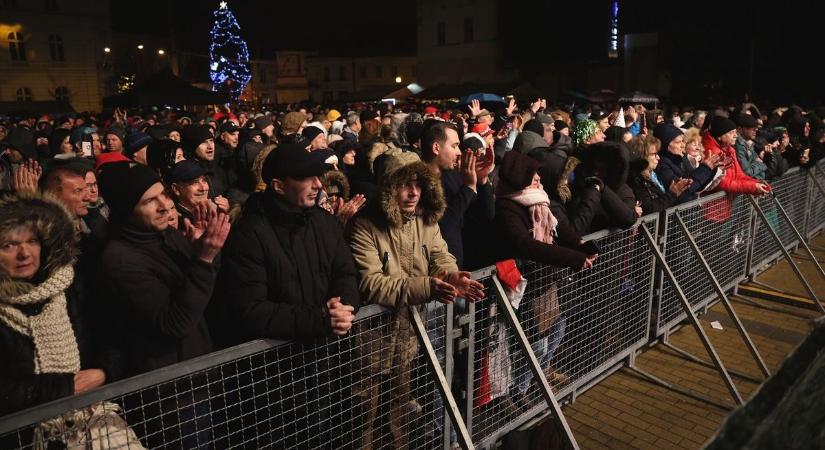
(637, 97)
(164, 88)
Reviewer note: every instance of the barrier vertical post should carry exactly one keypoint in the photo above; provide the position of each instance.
(448, 367)
(723, 297)
(450, 406)
(785, 252)
(696, 325)
(533, 363)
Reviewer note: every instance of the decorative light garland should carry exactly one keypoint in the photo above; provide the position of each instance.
(223, 66)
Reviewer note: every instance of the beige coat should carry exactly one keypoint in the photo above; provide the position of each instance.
(395, 257)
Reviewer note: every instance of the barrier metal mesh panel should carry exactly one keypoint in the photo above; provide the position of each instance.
(335, 393)
(816, 208)
(575, 322)
(792, 193)
(721, 228)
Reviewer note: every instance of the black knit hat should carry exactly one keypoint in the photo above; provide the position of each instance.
(719, 126)
(667, 132)
(122, 185)
(194, 135)
(311, 132)
(746, 121)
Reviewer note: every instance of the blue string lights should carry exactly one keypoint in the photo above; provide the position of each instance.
(228, 55)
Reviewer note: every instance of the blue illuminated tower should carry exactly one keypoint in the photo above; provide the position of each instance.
(228, 56)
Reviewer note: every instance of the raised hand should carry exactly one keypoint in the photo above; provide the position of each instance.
(26, 177)
(484, 165)
(475, 108)
(350, 208)
(467, 168)
(511, 106)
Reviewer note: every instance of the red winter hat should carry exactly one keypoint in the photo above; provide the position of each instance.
(106, 158)
(430, 110)
(482, 129)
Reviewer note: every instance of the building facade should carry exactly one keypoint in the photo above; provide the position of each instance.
(333, 79)
(459, 41)
(53, 50)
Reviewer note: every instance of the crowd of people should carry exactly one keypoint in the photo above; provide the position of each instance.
(129, 242)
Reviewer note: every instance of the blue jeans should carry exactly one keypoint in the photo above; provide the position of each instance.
(543, 348)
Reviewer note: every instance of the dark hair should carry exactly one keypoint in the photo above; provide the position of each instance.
(53, 176)
(434, 133)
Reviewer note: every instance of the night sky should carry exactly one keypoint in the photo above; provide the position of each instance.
(370, 28)
(701, 41)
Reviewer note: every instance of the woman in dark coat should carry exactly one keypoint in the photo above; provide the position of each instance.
(530, 231)
(41, 340)
(649, 191)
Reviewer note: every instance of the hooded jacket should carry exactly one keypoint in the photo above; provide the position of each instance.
(20, 386)
(279, 268)
(514, 222)
(608, 162)
(396, 254)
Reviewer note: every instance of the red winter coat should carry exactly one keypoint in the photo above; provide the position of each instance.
(735, 181)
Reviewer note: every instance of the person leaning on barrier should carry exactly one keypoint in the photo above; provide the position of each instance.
(287, 272)
(43, 340)
(718, 140)
(403, 261)
(527, 229)
(524, 223)
(750, 158)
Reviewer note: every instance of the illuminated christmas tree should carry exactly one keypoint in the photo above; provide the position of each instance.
(228, 56)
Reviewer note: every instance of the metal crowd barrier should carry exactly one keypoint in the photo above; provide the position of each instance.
(465, 373)
(816, 206)
(721, 228)
(334, 392)
(792, 192)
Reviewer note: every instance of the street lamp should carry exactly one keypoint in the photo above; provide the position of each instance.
(161, 52)
(107, 50)
(140, 46)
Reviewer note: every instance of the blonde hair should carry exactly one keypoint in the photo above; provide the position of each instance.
(693, 134)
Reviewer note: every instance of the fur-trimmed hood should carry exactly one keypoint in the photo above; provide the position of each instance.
(432, 204)
(335, 180)
(52, 224)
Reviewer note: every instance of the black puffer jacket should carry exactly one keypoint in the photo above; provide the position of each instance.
(157, 291)
(279, 268)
